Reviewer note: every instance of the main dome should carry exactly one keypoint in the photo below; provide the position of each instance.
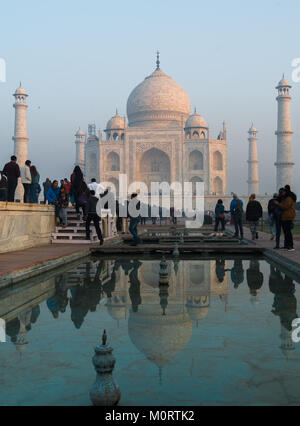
(158, 102)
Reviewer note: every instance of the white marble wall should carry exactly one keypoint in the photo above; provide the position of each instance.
(25, 225)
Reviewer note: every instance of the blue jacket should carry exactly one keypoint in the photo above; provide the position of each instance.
(53, 195)
(233, 206)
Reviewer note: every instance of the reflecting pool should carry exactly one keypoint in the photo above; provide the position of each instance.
(220, 334)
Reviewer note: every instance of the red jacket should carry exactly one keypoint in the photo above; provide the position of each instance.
(67, 186)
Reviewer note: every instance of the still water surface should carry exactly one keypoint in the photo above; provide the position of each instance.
(219, 335)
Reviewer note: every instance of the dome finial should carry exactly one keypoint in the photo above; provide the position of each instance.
(117, 112)
(195, 110)
(158, 60)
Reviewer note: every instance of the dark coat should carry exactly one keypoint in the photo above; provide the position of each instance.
(254, 211)
(92, 204)
(12, 171)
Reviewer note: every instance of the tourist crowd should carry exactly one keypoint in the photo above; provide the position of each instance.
(30, 179)
(85, 197)
(281, 212)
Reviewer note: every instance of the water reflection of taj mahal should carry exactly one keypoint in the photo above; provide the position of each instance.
(160, 324)
(160, 320)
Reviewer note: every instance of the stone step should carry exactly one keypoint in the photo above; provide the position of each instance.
(57, 241)
(70, 236)
(74, 230)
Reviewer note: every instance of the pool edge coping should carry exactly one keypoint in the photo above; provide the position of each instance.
(38, 269)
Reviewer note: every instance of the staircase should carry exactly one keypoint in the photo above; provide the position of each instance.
(74, 233)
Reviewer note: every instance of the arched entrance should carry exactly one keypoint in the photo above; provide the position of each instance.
(113, 162)
(218, 186)
(218, 161)
(154, 167)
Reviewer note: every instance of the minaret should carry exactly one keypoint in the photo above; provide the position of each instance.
(20, 136)
(284, 134)
(80, 146)
(224, 131)
(253, 180)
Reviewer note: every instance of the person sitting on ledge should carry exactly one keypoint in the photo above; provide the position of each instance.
(53, 199)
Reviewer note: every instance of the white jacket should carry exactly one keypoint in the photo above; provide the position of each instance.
(25, 174)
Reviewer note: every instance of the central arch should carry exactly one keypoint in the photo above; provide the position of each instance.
(154, 166)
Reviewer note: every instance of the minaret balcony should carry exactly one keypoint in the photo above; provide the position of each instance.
(284, 132)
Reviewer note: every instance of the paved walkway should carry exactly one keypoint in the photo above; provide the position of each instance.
(264, 241)
(29, 258)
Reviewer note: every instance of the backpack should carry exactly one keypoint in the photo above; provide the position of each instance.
(239, 207)
(3, 181)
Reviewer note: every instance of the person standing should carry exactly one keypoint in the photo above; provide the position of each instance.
(173, 215)
(46, 185)
(76, 181)
(290, 193)
(271, 213)
(12, 171)
(92, 216)
(236, 210)
(220, 216)
(97, 187)
(67, 186)
(82, 199)
(253, 213)
(134, 220)
(35, 188)
(288, 207)
(26, 181)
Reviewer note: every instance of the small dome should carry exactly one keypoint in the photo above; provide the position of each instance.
(20, 91)
(80, 133)
(115, 123)
(195, 120)
(283, 83)
(252, 129)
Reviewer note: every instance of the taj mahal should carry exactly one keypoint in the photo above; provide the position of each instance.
(161, 141)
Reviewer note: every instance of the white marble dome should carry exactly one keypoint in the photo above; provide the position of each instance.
(115, 123)
(195, 120)
(158, 102)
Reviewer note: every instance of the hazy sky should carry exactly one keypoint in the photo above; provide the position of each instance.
(79, 60)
